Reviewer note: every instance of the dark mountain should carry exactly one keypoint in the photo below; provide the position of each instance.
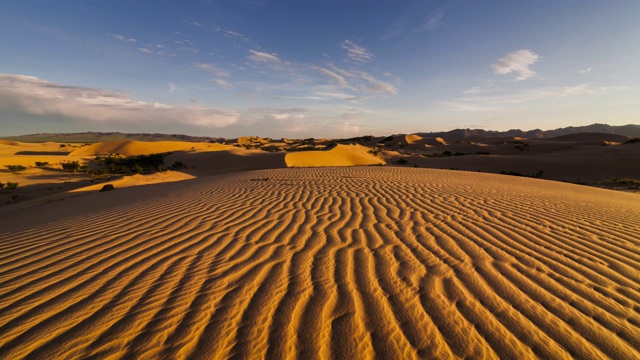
(461, 134)
(92, 137)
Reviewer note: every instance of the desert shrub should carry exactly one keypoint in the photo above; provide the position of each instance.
(178, 165)
(2, 185)
(42, 163)
(514, 173)
(446, 153)
(459, 154)
(16, 168)
(401, 161)
(96, 172)
(71, 166)
(131, 165)
(483, 153)
(12, 185)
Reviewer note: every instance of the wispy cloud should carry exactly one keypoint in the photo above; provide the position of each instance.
(584, 71)
(146, 51)
(519, 62)
(335, 77)
(123, 38)
(236, 35)
(479, 101)
(396, 29)
(223, 83)
(31, 95)
(262, 57)
(355, 52)
(211, 69)
(434, 20)
(358, 80)
(194, 23)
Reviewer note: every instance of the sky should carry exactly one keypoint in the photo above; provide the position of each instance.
(306, 68)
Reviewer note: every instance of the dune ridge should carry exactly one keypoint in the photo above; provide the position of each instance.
(352, 262)
(131, 147)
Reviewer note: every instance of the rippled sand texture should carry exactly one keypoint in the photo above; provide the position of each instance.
(346, 262)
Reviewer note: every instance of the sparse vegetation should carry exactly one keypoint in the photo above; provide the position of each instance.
(11, 185)
(72, 166)
(115, 164)
(623, 183)
(42, 163)
(401, 161)
(514, 173)
(178, 165)
(16, 169)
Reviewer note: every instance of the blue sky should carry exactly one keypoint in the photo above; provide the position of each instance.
(316, 68)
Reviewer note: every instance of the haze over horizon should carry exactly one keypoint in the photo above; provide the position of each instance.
(316, 68)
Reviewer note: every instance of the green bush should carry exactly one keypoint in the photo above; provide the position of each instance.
(12, 185)
(16, 168)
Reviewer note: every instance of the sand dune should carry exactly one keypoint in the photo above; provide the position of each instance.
(325, 262)
(129, 148)
(341, 155)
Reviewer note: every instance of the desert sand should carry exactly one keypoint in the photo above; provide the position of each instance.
(347, 262)
(245, 253)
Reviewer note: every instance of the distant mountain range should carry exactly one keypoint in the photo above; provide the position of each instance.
(93, 137)
(632, 131)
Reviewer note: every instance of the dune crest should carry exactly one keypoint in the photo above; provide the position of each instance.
(131, 148)
(341, 155)
(356, 262)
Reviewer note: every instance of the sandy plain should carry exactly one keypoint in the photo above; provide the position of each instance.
(277, 256)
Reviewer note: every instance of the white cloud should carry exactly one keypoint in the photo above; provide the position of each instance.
(263, 57)
(518, 62)
(123, 38)
(584, 71)
(30, 95)
(355, 52)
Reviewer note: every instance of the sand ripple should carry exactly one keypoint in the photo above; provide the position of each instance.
(317, 263)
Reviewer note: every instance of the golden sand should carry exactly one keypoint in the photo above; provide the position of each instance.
(356, 262)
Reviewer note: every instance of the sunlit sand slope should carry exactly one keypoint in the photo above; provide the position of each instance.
(341, 155)
(356, 262)
(130, 148)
